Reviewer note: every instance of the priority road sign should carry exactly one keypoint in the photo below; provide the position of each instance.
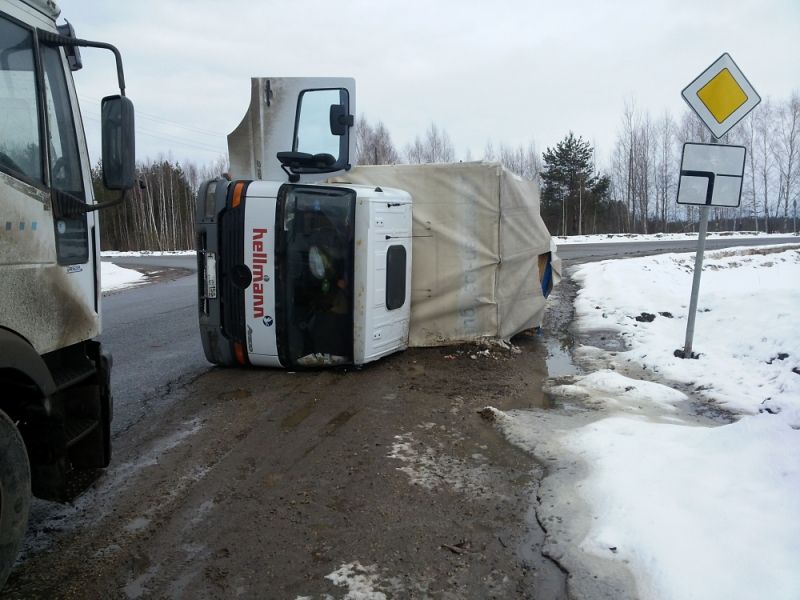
(721, 96)
(711, 174)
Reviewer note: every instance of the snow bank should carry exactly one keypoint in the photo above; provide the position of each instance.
(747, 329)
(694, 508)
(138, 253)
(696, 512)
(655, 237)
(114, 278)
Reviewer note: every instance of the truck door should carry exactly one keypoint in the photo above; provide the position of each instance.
(44, 255)
(307, 120)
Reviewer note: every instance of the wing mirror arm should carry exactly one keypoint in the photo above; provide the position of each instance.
(55, 39)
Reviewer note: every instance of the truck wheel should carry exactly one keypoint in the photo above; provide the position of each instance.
(15, 494)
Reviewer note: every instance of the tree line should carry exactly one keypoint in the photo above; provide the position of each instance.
(645, 166)
(635, 193)
(159, 212)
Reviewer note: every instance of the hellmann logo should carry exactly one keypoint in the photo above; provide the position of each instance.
(259, 264)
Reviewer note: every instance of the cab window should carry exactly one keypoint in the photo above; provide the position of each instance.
(72, 246)
(20, 149)
(65, 170)
(313, 134)
(395, 277)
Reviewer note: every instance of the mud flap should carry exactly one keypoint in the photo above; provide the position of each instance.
(47, 444)
(15, 494)
(93, 449)
(93, 402)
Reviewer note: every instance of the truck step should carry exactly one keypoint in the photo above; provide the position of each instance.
(77, 429)
(65, 377)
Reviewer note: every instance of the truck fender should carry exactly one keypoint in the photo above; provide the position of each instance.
(17, 354)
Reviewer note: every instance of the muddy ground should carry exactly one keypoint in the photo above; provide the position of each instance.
(268, 484)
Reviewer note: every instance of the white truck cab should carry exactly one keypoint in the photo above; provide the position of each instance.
(293, 273)
(55, 398)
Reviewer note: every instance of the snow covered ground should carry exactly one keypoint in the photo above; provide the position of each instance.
(115, 278)
(139, 253)
(642, 478)
(654, 237)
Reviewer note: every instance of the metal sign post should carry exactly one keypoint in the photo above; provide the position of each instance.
(698, 271)
(712, 174)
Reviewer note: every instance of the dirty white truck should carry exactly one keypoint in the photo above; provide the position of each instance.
(294, 272)
(55, 401)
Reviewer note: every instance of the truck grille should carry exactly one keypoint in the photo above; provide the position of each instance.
(231, 238)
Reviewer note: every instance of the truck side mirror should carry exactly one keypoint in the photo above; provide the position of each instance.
(340, 121)
(119, 150)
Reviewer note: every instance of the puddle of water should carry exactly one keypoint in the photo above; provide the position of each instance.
(558, 360)
(605, 340)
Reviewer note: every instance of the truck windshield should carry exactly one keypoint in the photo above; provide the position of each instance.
(315, 275)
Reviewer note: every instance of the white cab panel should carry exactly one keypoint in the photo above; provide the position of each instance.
(383, 221)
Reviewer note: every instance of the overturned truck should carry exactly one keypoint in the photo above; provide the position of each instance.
(294, 272)
(482, 262)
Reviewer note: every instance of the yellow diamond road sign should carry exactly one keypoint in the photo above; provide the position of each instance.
(721, 96)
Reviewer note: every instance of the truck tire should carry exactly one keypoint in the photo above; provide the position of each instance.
(15, 494)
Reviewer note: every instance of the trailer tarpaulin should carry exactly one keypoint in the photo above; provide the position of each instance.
(480, 249)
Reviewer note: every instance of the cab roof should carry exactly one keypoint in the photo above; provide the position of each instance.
(47, 7)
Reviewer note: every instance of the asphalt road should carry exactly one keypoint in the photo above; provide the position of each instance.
(571, 252)
(151, 331)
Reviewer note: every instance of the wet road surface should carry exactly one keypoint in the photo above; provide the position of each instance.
(151, 332)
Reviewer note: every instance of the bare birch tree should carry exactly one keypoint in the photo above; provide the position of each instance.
(787, 154)
(374, 144)
(435, 147)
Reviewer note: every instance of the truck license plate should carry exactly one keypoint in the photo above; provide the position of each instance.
(211, 275)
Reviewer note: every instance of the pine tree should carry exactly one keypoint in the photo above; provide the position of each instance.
(574, 197)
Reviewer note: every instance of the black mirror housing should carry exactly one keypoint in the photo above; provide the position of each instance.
(340, 121)
(119, 149)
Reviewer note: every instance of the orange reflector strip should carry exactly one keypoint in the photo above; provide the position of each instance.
(238, 350)
(237, 194)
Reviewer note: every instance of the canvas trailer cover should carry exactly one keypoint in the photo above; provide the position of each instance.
(480, 249)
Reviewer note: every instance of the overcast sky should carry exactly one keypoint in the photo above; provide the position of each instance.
(510, 71)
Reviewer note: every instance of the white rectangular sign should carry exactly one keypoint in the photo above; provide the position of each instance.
(711, 174)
